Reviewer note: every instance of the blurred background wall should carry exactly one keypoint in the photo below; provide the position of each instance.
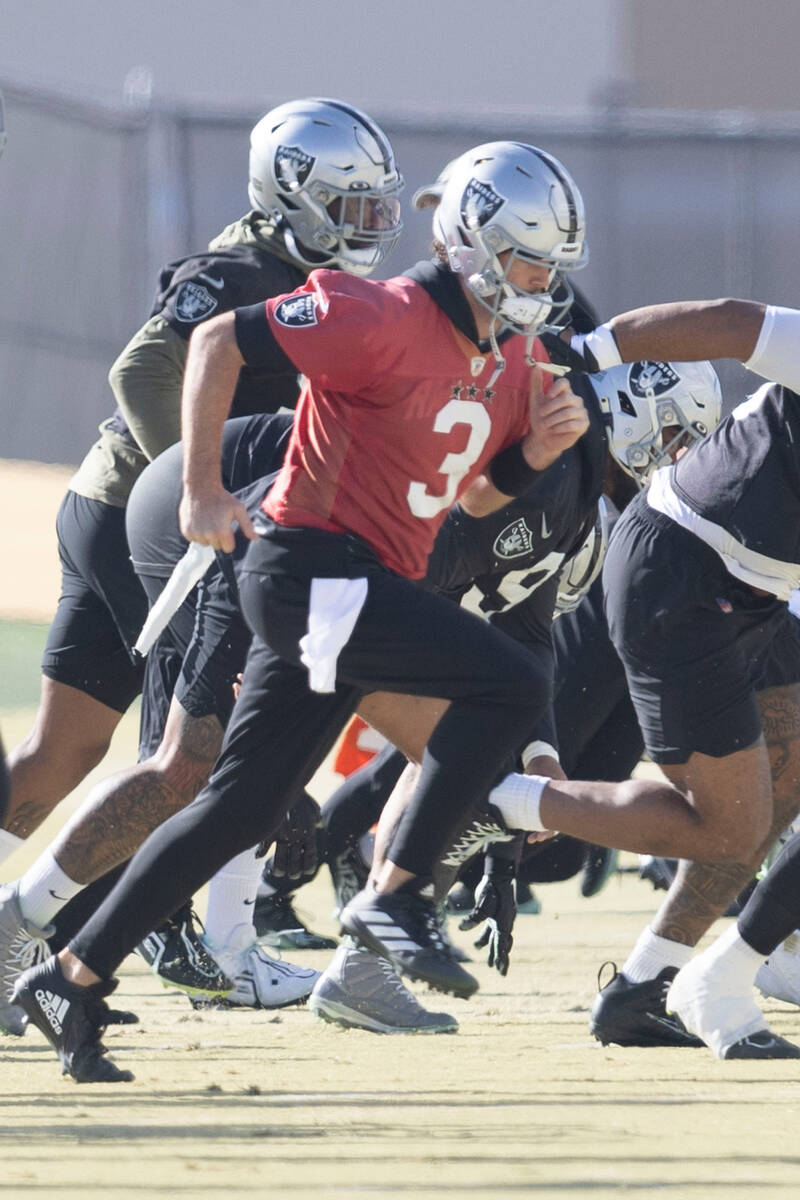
(128, 137)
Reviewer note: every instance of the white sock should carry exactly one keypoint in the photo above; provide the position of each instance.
(232, 895)
(651, 954)
(518, 798)
(44, 889)
(9, 842)
(731, 953)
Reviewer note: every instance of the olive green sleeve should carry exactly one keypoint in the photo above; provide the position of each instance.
(146, 381)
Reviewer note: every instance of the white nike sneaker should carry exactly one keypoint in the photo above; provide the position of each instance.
(780, 975)
(260, 981)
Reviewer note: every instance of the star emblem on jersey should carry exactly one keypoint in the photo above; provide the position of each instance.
(651, 379)
(292, 167)
(479, 203)
(514, 540)
(296, 312)
(193, 302)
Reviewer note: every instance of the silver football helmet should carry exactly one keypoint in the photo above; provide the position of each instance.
(640, 400)
(326, 174)
(2, 126)
(580, 571)
(510, 197)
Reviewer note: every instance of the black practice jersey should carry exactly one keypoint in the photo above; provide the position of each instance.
(194, 289)
(495, 564)
(252, 447)
(745, 476)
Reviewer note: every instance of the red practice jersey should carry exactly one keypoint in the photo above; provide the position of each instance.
(396, 416)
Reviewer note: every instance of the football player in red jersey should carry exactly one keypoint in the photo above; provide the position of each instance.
(412, 387)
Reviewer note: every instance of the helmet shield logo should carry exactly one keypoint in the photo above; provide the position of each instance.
(193, 302)
(651, 379)
(479, 203)
(514, 540)
(292, 167)
(297, 312)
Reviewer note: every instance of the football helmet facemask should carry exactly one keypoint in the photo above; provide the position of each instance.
(326, 174)
(640, 400)
(512, 200)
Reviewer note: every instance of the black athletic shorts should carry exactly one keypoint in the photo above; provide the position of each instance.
(101, 608)
(694, 640)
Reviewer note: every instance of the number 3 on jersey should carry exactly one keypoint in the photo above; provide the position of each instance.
(453, 466)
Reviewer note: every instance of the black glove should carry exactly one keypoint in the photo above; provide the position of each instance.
(296, 844)
(495, 903)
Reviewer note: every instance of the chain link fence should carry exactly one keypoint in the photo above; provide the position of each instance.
(93, 201)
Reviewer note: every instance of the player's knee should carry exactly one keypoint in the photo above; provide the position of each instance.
(180, 777)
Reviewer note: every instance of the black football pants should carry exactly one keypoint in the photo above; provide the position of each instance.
(405, 640)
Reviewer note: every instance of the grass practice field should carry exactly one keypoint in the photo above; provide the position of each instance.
(521, 1102)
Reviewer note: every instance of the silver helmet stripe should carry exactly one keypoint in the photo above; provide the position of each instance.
(377, 134)
(572, 232)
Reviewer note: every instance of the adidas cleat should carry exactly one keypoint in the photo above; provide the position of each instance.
(635, 1014)
(404, 928)
(361, 990)
(72, 1019)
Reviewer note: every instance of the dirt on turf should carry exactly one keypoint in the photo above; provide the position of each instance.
(520, 1102)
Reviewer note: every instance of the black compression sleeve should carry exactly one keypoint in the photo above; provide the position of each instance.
(257, 342)
(510, 473)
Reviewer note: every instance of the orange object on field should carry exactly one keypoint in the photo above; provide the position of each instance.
(359, 745)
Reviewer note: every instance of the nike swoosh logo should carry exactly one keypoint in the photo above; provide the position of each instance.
(545, 531)
(249, 901)
(55, 897)
(217, 283)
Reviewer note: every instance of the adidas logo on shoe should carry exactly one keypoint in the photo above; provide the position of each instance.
(54, 1008)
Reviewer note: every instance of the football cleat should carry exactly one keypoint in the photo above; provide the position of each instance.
(658, 871)
(599, 864)
(260, 981)
(349, 875)
(460, 898)
(278, 925)
(361, 990)
(22, 945)
(780, 975)
(176, 954)
(527, 900)
(762, 1045)
(635, 1014)
(72, 1019)
(721, 1009)
(403, 927)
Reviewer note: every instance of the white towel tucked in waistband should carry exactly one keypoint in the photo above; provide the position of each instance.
(332, 613)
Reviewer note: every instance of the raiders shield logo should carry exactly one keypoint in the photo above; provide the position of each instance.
(479, 203)
(292, 167)
(193, 302)
(651, 379)
(296, 312)
(514, 540)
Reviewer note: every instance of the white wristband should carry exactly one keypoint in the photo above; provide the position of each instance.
(537, 750)
(600, 344)
(775, 355)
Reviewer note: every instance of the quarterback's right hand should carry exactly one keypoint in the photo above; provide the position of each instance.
(209, 520)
